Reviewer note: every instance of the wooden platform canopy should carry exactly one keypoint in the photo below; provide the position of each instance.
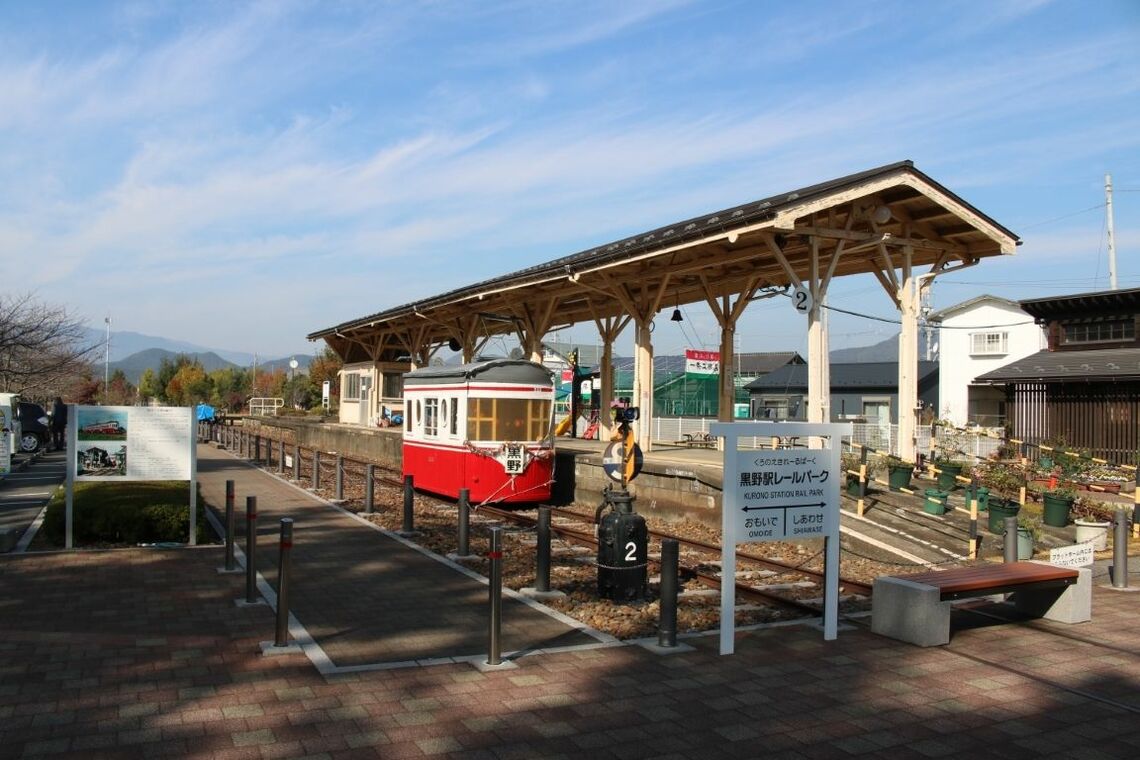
(888, 221)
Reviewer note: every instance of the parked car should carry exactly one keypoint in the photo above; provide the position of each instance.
(35, 432)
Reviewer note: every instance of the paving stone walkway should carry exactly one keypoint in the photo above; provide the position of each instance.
(366, 598)
(141, 653)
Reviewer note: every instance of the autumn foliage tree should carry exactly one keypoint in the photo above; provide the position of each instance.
(327, 366)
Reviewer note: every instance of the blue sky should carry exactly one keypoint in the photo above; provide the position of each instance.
(241, 174)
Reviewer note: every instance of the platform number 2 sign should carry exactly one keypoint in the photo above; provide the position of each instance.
(801, 299)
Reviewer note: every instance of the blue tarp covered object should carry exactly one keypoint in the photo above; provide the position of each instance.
(205, 413)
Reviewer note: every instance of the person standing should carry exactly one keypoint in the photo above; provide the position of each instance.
(58, 423)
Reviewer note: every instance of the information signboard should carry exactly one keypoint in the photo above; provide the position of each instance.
(122, 443)
(780, 495)
(1074, 555)
(784, 494)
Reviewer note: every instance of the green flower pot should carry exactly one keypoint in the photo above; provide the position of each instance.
(999, 510)
(853, 485)
(948, 475)
(898, 476)
(1024, 544)
(1056, 509)
(935, 503)
(983, 496)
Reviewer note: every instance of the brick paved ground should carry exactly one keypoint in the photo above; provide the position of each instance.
(361, 594)
(142, 653)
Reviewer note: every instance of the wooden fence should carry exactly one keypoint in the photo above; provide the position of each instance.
(1103, 418)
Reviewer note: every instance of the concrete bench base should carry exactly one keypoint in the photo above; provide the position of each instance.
(916, 613)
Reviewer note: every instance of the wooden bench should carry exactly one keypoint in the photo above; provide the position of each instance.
(916, 608)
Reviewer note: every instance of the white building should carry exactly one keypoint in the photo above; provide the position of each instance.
(978, 336)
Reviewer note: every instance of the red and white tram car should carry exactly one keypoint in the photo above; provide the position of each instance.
(486, 427)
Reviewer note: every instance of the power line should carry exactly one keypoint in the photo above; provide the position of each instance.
(1066, 216)
(939, 325)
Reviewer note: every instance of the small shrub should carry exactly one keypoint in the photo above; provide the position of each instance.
(124, 513)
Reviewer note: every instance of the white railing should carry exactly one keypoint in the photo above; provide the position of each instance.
(265, 407)
(881, 437)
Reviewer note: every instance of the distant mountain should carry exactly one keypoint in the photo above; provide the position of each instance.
(134, 365)
(883, 351)
(126, 343)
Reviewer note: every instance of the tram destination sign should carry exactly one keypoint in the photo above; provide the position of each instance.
(784, 494)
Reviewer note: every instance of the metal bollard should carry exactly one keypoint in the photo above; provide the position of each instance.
(297, 462)
(231, 563)
(409, 504)
(1009, 547)
(496, 596)
(667, 629)
(282, 636)
(316, 469)
(542, 561)
(369, 488)
(1120, 550)
(339, 477)
(281, 458)
(464, 505)
(250, 549)
(972, 503)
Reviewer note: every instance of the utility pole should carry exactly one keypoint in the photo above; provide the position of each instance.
(107, 361)
(1111, 235)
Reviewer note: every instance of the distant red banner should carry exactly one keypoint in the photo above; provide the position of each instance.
(702, 362)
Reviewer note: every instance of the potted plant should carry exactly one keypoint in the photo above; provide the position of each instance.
(1004, 481)
(935, 502)
(898, 473)
(1028, 534)
(950, 457)
(1056, 503)
(1092, 523)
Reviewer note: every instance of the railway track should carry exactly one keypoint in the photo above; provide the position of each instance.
(706, 578)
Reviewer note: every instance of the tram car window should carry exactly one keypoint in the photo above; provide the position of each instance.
(487, 427)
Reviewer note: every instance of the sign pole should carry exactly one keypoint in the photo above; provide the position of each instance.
(70, 453)
(729, 506)
(193, 446)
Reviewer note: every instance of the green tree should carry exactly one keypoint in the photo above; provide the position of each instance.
(231, 386)
(148, 386)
